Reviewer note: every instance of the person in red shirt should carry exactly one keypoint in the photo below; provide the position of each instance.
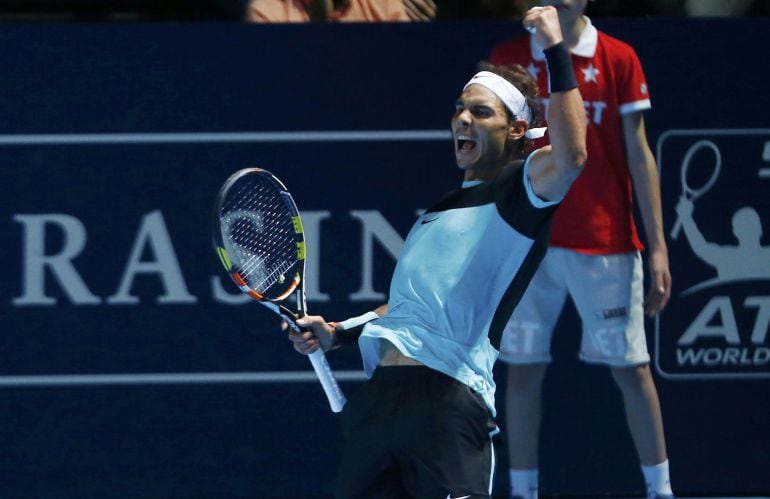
(594, 254)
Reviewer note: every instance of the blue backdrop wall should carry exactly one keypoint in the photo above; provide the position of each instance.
(131, 368)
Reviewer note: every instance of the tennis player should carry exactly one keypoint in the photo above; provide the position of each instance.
(422, 425)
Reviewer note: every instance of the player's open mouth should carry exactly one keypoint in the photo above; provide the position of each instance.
(465, 143)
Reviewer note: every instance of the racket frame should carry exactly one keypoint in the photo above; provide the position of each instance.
(318, 360)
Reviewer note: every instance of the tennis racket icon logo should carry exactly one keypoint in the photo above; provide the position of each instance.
(689, 192)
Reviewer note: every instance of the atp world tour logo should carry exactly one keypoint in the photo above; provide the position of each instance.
(715, 186)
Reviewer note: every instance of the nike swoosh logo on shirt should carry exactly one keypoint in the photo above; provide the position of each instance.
(423, 223)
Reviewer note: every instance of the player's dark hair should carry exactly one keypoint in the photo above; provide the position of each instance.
(520, 78)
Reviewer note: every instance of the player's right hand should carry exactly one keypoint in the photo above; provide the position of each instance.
(315, 333)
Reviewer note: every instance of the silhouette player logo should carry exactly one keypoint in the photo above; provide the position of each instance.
(718, 320)
(748, 260)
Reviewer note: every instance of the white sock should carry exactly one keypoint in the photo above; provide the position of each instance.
(524, 483)
(657, 478)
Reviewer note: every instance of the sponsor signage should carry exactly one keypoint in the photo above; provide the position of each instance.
(109, 236)
(715, 185)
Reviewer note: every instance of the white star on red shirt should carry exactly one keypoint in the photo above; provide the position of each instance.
(589, 73)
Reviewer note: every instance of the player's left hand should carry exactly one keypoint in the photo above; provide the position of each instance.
(543, 23)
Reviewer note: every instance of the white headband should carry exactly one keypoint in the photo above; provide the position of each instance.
(513, 99)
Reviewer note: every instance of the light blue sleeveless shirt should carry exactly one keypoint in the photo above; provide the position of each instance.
(463, 268)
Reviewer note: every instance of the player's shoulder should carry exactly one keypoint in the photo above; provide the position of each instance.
(512, 172)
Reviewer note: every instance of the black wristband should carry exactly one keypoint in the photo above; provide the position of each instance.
(561, 75)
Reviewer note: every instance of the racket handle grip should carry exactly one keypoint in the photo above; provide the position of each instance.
(326, 377)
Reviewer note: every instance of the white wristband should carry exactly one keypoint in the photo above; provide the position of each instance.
(358, 321)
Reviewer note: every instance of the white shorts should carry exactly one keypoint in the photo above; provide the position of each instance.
(608, 293)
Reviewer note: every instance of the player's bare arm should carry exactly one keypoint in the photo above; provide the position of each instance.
(553, 169)
(318, 333)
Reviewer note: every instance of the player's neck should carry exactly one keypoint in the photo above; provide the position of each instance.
(485, 174)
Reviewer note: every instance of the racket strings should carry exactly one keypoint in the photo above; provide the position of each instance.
(259, 226)
(261, 282)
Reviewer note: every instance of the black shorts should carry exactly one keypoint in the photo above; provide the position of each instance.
(412, 431)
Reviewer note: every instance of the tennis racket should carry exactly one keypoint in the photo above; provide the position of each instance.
(260, 240)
